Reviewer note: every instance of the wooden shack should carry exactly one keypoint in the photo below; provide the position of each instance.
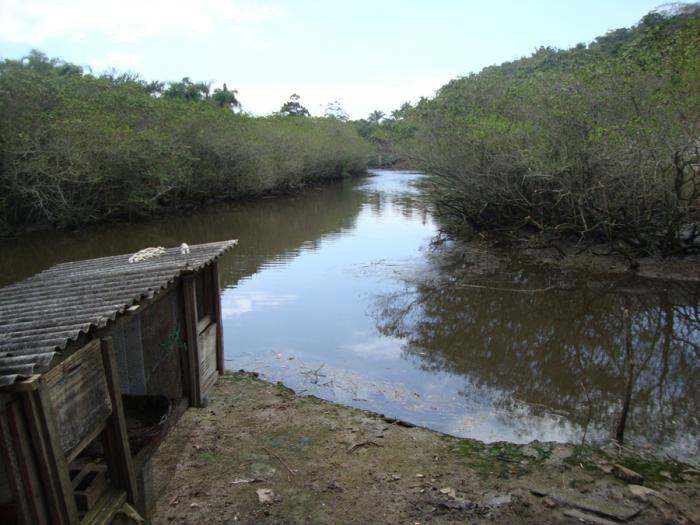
(97, 359)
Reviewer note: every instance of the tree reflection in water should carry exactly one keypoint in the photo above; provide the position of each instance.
(558, 342)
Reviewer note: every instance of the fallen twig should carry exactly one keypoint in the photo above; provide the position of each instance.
(363, 444)
(245, 480)
(314, 373)
(289, 469)
(515, 290)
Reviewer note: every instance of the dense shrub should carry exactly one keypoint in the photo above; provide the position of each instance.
(595, 143)
(78, 148)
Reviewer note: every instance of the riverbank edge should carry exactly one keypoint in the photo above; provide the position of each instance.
(327, 463)
(680, 268)
(164, 211)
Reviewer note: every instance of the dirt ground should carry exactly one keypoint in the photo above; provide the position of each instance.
(259, 453)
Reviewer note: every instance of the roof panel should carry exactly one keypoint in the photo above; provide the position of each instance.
(42, 314)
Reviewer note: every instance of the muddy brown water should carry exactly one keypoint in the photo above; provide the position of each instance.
(341, 293)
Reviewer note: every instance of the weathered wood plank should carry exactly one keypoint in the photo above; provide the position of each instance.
(203, 323)
(25, 489)
(85, 441)
(89, 485)
(78, 393)
(117, 450)
(39, 410)
(207, 358)
(5, 488)
(216, 297)
(190, 306)
(133, 343)
(30, 495)
(105, 509)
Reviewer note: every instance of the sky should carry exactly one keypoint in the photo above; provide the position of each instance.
(367, 54)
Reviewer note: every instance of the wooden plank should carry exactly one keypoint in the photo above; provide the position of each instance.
(56, 459)
(206, 343)
(105, 509)
(118, 453)
(39, 410)
(120, 350)
(86, 469)
(208, 383)
(207, 291)
(203, 323)
(147, 493)
(5, 488)
(190, 305)
(30, 495)
(78, 393)
(28, 502)
(24, 385)
(216, 298)
(87, 439)
(133, 345)
(89, 486)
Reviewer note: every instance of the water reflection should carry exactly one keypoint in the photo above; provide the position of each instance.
(373, 317)
(539, 343)
(268, 229)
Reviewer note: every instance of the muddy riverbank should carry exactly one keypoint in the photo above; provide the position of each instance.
(259, 453)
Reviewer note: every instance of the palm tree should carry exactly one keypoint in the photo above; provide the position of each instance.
(226, 98)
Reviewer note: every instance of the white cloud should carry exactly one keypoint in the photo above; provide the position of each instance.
(357, 99)
(34, 21)
(243, 303)
(117, 60)
(377, 348)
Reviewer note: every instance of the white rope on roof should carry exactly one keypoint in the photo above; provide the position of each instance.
(147, 253)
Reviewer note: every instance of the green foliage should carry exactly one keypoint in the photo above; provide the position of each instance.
(594, 143)
(385, 133)
(375, 117)
(226, 98)
(293, 108)
(75, 148)
(187, 90)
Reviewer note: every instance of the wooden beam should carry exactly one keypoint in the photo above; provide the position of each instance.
(23, 385)
(50, 457)
(117, 451)
(105, 509)
(190, 305)
(19, 460)
(216, 297)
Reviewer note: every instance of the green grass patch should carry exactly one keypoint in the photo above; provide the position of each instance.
(503, 460)
(234, 378)
(284, 392)
(586, 457)
(651, 469)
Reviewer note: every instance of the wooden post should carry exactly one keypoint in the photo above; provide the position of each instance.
(190, 304)
(117, 451)
(50, 458)
(21, 468)
(216, 297)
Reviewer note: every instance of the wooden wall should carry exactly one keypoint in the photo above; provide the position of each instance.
(149, 346)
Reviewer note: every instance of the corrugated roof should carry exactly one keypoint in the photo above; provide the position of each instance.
(41, 315)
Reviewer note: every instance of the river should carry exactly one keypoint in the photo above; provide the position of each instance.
(343, 293)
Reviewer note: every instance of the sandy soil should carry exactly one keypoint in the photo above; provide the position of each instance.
(261, 454)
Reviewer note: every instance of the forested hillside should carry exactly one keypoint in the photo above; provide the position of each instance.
(600, 142)
(78, 148)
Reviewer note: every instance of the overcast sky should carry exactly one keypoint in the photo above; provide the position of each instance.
(369, 54)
